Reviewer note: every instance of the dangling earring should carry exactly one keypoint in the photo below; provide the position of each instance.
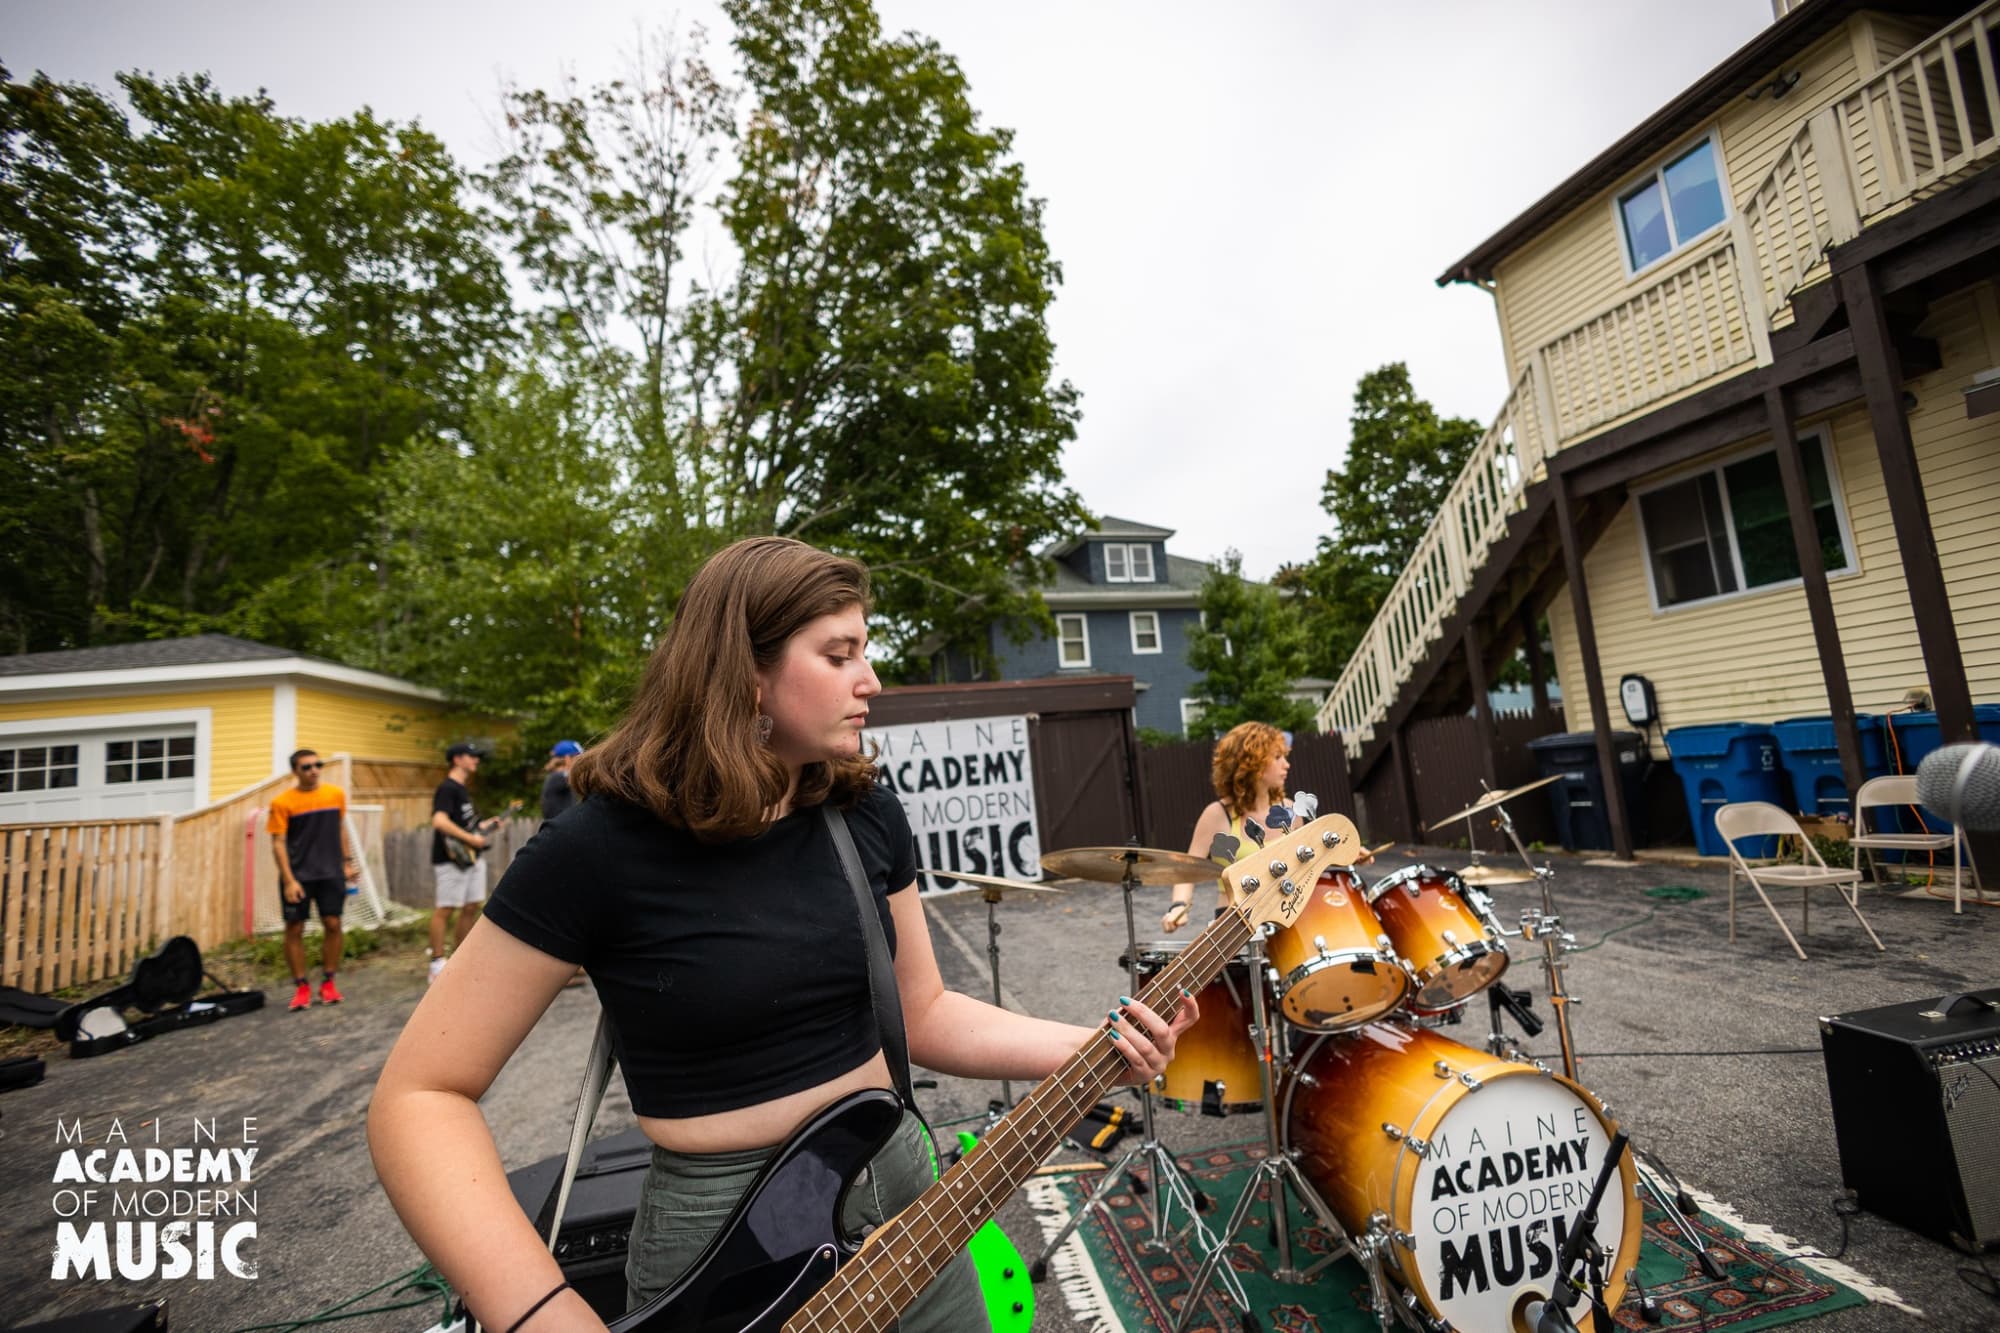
(765, 724)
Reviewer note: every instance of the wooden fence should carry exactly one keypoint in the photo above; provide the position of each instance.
(80, 899)
(406, 859)
(1177, 782)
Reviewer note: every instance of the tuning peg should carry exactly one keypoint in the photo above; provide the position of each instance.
(1278, 819)
(1223, 847)
(1305, 805)
(1253, 830)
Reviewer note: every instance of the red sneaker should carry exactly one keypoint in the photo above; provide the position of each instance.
(327, 993)
(302, 999)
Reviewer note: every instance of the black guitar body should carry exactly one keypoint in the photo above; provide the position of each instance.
(783, 1240)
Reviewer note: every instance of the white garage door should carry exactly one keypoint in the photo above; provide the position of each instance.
(114, 773)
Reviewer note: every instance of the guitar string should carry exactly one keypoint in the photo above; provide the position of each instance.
(922, 1245)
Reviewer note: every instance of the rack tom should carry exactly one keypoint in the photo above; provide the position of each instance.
(1335, 966)
(1445, 930)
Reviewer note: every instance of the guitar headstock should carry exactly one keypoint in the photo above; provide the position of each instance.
(1274, 882)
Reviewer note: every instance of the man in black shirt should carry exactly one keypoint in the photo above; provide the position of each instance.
(556, 795)
(457, 838)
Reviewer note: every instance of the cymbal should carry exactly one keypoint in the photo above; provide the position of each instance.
(1485, 874)
(990, 885)
(1493, 798)
(1107, 865)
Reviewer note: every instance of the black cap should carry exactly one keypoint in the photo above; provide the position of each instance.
(463, 747)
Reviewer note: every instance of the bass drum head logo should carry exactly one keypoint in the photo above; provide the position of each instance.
(1509, 1171)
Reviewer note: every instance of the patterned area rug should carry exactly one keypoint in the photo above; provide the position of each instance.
(1109, 1280)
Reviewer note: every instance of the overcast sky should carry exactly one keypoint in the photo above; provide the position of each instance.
(1249, 201)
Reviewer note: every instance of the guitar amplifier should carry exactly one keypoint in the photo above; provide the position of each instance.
(597, 1224)
(1916, 1113)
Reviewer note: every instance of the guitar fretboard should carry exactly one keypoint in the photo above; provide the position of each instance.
(866, 1294)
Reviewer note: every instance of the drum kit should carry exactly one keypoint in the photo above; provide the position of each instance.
(1460, 1178)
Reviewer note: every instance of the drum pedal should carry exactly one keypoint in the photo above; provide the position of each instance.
(1650, 1308)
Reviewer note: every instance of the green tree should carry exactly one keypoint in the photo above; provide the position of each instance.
(1401, 459)
(1250, 647)
(217, 319)
(863, 361)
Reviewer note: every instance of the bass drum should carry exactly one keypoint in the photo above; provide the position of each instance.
(1479, 1165)
(1336, 968)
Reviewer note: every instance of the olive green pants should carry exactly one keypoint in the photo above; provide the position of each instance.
(687, 1197)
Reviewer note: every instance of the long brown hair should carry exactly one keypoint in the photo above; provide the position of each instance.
(1240, 756)
(688, 748)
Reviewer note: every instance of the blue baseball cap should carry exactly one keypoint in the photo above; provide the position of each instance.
(563, 749)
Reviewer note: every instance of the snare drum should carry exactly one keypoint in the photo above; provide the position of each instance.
(1215, 1069)
(1444, 930)
(1472, 1167)
(1336, 967)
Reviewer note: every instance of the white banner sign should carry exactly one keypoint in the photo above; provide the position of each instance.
(968, 788)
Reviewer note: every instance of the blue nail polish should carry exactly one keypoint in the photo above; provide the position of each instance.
(1117, 1014)
(1124, 999)
(1115, 1036)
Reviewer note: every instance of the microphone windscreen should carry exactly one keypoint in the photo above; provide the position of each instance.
(1961, 783)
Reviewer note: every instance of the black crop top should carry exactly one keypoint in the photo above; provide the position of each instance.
(732, 973)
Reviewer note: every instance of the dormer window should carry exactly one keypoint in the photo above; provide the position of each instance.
(1677, 204)
(1125, 563)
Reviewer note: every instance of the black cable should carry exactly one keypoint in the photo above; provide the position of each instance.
(1665, 1055)
(1845, 1206)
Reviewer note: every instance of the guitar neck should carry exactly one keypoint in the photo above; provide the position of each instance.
(899, 1260)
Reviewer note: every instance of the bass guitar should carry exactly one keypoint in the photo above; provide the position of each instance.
(782, 1261)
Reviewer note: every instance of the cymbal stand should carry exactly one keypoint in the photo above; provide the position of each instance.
(1169, 1185)
(1544, 927)
(1279, 1165)
(992, 897)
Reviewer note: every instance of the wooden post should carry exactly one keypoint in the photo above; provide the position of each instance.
(1538, 667)
(158, 905)
(1482, 707)
(13, 887)
(34, 946)
(1882, 383)
(1819, 602)
(1406, 800)
(1593, 673)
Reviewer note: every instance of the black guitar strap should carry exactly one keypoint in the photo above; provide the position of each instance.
(881, 971)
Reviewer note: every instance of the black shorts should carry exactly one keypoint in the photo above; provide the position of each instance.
(329, 894)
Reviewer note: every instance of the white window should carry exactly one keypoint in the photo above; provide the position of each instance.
(1145, 631)
(1072, 643)
(1191, 711)
(38, 768)
(1128, 563)
(1675, 205)
(1726, 531)
(148, 758)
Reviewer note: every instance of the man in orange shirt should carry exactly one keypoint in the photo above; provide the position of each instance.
(309, 841)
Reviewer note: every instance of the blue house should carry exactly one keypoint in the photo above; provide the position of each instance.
(1122, 606)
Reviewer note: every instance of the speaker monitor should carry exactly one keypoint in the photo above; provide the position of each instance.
(1916, 1112)
(597, 1224)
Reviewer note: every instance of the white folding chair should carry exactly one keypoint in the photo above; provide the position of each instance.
(1751, 819)
(1901, 789)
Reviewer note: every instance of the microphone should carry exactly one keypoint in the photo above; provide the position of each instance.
(1962, 783)
(1547, 1317)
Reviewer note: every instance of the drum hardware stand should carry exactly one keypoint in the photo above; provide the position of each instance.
(1169, 1184)
(1552, 1315)
(992, 897)
(1544, 926)
(1280, 1167)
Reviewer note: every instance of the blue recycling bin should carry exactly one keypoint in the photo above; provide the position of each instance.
(1811, 756)
(1916, 735)
(1724, 763)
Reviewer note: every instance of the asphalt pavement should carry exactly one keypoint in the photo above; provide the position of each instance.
(1708, 1050)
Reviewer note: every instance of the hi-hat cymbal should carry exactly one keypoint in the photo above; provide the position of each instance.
(1108, 865)
(1484, 874)
(1491, 799)
(991, 885)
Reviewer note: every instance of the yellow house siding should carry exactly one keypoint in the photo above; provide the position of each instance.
(1753, 658)
(372, 726)
(1575, 269)
(239, 745)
